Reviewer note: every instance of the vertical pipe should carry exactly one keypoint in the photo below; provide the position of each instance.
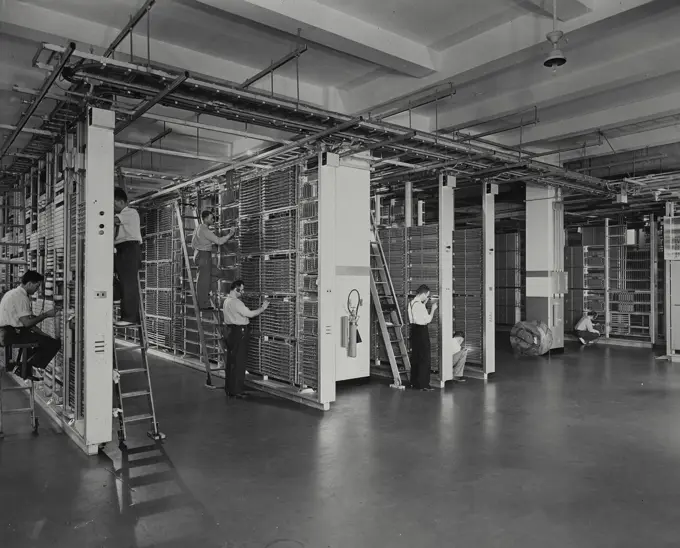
(421, 213)
(297, 68)
(670, 211)
(148, 38)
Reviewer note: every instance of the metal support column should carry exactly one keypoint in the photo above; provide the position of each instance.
(669, 293)
(654, 267)
(607, 312)
(546, 281)
(421, 213)
(447, 184)
(98, 287)
(377, 209)
(408, 203)
(489, 279)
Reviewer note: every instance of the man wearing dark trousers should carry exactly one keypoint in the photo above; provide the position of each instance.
(202, 243)
(128, 258)
(18, 325)
(420, 318)
(237, 323)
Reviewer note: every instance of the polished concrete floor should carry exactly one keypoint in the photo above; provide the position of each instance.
(580, 450)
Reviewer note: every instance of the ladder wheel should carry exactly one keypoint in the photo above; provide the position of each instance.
(36, 424)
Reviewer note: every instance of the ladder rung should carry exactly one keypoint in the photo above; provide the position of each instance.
(133, 347)
(137, 394)
(16, 411)
(130, 371)
(138, 418)
(12, 388)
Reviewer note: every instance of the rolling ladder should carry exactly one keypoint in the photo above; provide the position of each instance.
(133, 384)
(217, 316)
(389, 316)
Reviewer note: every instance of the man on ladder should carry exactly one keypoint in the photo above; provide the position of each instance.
(202, 243)
(128, 258)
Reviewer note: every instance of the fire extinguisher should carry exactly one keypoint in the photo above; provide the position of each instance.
(350, 325)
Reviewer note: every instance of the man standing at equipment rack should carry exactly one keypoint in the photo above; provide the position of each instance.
(202, 243)
(128, 258)
(420, 318)
(237, 319)
(18, 325)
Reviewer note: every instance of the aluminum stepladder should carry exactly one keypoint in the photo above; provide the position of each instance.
(142, 387)
(217, 316)
(388, 313)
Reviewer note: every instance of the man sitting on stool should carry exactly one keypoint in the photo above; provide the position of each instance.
(584, 329)
(128, 257)
(18, 324)
(459, 356)
(202, 243)
(237, 319)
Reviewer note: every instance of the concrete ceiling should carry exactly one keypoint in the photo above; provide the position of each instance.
(621, 78)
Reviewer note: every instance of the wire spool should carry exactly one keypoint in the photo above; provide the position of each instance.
(531, 338)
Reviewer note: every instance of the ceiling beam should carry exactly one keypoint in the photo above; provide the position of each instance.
(625, 143)
(24, 129)
(592, 122)
(165, 152)
(609, 74)
(566, 9)
(494, 50)
(147, 144)
(337, 30)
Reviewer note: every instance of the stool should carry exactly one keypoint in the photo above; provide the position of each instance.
(23, 348)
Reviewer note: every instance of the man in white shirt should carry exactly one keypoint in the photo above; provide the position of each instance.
(459, 356)
(237, 320)
(18, 325)
(420, 318)
(584, 329)
(202, 243)
(128, 258)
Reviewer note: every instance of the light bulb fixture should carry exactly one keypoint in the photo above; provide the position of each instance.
(556, 58)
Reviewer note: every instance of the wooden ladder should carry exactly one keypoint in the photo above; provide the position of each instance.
(389, 315)
(217, 316)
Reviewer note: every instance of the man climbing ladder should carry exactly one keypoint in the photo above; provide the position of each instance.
(128, 258)
(202, 243)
